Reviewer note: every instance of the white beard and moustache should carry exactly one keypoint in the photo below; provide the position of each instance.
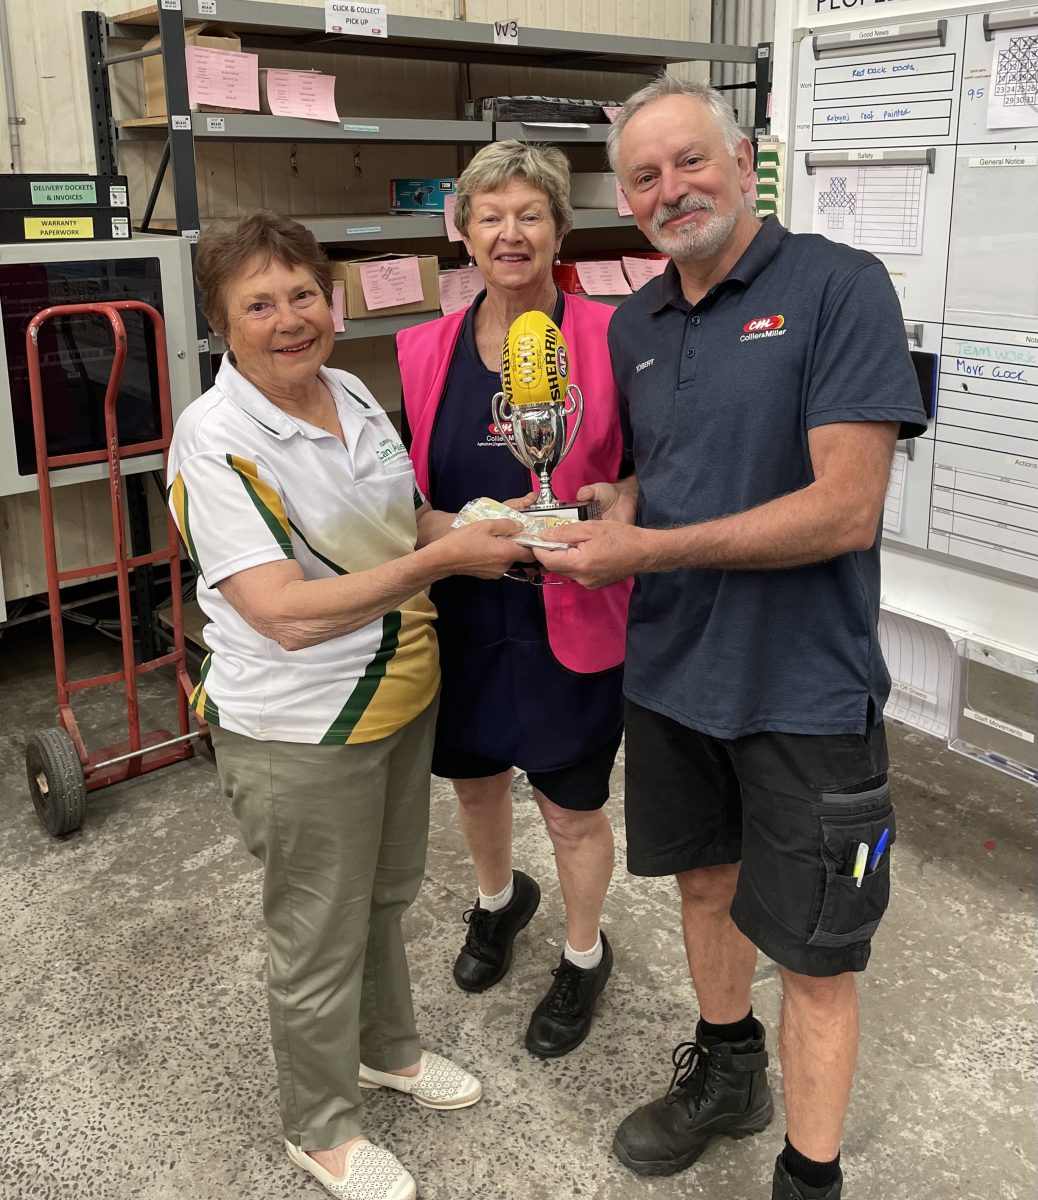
(695, 241)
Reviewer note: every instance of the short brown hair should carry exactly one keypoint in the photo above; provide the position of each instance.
(495, 166)
(225, 249)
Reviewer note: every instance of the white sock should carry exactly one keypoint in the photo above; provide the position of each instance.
(493, 903)
(586, 959)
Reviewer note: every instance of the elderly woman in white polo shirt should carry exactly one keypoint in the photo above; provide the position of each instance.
(298, 506)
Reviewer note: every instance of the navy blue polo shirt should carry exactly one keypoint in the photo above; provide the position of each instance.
(717, 399)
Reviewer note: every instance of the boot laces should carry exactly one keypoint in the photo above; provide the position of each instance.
(479, 939)
(564, 994)
(692, 1068)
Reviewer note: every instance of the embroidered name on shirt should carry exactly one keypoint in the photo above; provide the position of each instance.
(762, 327)
(642, 365)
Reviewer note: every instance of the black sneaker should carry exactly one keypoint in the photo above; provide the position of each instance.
(562, 1020)
(784, 1186)
(487, 954)
(718, 1089)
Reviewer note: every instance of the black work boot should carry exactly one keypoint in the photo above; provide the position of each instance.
(717, 1090)
(487, 954)
(784, 1186)
(562, 1020)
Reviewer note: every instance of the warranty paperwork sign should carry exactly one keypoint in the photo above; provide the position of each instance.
(363, 20)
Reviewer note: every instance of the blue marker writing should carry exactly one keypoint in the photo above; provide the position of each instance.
(881, 845)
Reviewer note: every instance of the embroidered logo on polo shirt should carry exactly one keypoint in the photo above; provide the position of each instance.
(762, 327)
(642, 365)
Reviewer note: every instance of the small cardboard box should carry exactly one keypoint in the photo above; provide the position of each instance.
(348, 270)
(592, 189)
(419, 195)
(208, 34)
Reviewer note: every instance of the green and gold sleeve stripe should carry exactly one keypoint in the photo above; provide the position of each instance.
(178, 495)
(366, 687)
(267, 501)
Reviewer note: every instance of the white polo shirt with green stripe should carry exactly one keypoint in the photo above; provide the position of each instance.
(249, 484)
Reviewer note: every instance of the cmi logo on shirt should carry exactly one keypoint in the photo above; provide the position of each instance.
(763, 327)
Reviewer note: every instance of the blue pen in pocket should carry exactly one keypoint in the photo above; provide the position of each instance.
(877, 854)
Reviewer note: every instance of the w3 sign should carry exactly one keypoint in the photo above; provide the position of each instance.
(506, 33)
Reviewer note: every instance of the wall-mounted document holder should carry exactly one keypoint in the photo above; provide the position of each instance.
(916, 33)
(995, 713)
(815, 159)
(927, 373)
(914, 332)
(1013, 18)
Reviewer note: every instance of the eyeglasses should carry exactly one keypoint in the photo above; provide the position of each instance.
(532, 576)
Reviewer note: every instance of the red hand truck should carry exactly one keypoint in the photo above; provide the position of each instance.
(60, 769)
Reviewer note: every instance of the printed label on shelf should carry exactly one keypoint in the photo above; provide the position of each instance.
(73, 191)
(190, 235)
(356, 20)
(180, 122)
(171, 5)
(207, 8)
(117, 197)
(348, 128)
(215, 125)
(203, 345)
(1006, 160)
(1001, 726)
(871, 35)
(120, 227)
(55, 228)
(506, 33)
(353, 230)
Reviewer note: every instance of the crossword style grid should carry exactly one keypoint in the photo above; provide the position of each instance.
(883, 202)
(1016, 77)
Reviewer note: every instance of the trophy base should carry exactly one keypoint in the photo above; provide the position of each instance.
(590, 511)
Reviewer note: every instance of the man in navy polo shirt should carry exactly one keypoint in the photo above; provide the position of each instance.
(764, 379)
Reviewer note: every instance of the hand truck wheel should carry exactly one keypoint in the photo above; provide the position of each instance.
(56, 781)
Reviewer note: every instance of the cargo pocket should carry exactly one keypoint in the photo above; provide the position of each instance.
(850, 914)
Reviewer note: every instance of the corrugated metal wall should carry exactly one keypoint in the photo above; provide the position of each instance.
(742, 23)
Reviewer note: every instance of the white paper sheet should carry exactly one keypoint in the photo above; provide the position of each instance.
(1013, 92)
(877, 208)
(922, 665)
(894, 504)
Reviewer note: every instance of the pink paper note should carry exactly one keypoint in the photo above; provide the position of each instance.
(338, 305)
(622, 207)
(223, 78)
(610, 111)
(391, 282)
(640, 270)
(302, 94)
(603, 278)
(459, 288)
(449, 204)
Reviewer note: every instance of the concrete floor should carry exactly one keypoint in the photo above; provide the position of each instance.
(133, 1020)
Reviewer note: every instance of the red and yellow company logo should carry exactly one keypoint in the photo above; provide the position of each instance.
(758, 324)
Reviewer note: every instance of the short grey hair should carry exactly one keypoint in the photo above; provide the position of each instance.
(496, 165)
(665, 85)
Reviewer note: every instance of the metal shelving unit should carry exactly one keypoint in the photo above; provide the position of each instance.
(262, 24)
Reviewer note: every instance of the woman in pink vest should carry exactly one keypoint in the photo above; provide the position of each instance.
(532, 675)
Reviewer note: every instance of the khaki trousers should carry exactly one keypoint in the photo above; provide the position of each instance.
(342, 833)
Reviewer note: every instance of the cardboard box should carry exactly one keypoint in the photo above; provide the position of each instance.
(348, 270)
(592, 189)
(208, 34)
(419, 195)
(48, 192)
(67, 224)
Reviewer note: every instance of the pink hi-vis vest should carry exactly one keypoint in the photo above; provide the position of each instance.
(586, 629)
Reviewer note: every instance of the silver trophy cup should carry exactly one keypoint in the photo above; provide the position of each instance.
(537, 435)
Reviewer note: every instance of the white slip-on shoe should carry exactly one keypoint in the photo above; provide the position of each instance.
(371, 1174)
(438, 1084)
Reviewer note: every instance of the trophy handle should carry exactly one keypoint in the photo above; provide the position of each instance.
(574, 403)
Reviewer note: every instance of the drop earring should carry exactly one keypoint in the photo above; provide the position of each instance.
(558, 261)
(472, 261)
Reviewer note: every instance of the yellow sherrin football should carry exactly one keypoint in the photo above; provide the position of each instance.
(534, 361)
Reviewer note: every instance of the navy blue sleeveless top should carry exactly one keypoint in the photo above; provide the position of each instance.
(505, 696)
